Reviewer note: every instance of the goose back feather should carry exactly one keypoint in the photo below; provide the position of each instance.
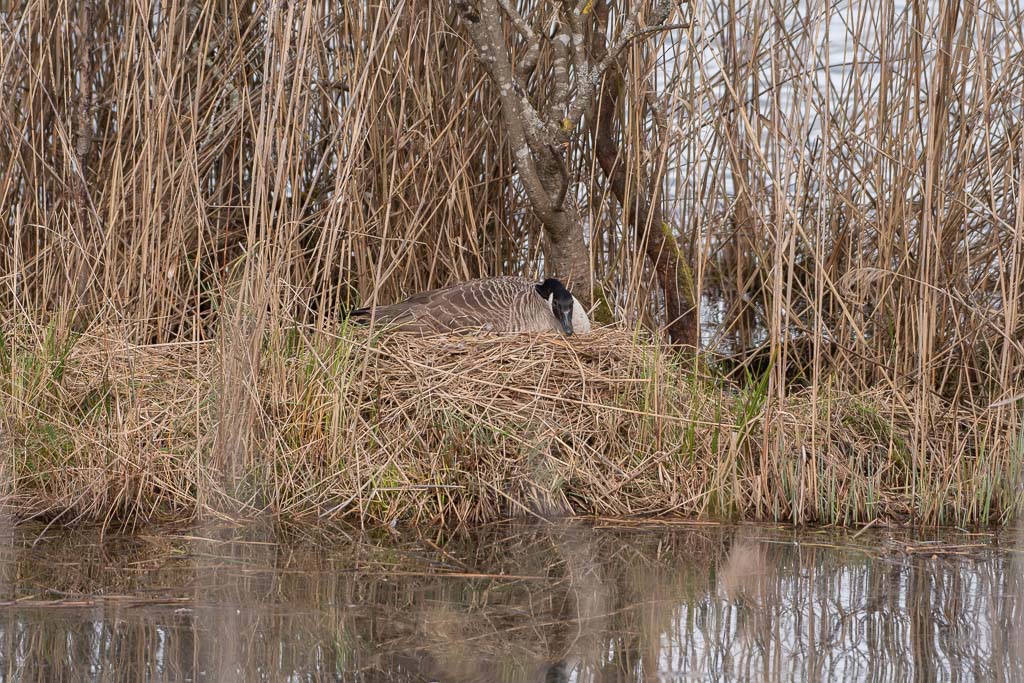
(498, 304)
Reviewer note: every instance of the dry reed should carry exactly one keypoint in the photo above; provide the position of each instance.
(458, 429)
(859, 229)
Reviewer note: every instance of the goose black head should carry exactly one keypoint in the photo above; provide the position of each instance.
(561, 302)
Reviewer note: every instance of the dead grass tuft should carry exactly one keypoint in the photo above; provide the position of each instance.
(451, 430)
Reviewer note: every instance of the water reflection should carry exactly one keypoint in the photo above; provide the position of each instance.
(512, 602)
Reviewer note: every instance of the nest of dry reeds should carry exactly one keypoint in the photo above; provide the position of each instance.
(469, 428)
(457, 429)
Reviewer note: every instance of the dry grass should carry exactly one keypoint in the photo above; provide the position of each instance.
(459, 429)
(861, 234)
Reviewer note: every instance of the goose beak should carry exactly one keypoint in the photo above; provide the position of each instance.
(565, 319)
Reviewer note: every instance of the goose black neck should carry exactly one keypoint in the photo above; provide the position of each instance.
(552, 286)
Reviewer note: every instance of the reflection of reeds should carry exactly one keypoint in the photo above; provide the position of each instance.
(507, 603)
(745, 574)
(204, 173)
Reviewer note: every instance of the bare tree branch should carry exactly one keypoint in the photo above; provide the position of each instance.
(518, 113)
(586, 88)
(540, 137)
(559, 99)
(528, 62)
(517, 20)
(578, 49)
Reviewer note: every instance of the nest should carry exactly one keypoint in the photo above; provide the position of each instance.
(475, 427)
(458, 429)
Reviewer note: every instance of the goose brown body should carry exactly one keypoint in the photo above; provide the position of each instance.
(498, 304)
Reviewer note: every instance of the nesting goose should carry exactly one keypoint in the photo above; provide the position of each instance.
(496, 304)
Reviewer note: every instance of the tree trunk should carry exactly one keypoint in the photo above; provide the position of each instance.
(565, 250)
(537, 145)
(539, 137)
(674, 274)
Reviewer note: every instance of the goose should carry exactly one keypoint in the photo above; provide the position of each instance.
(495, 304)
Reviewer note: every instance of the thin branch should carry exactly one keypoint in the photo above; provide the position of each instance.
(528, 62)
(560, 75)
(517, 20)
(640, 206)
(525, 129)
(586, 88)
(578, 48)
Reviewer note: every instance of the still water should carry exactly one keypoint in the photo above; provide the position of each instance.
(601, 601)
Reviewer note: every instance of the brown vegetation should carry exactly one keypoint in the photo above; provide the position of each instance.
(179, 189)
(458, 429)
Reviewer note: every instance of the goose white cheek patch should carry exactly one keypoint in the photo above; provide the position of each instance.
(580, 321)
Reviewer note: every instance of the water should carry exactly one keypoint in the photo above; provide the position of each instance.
(511, 602)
